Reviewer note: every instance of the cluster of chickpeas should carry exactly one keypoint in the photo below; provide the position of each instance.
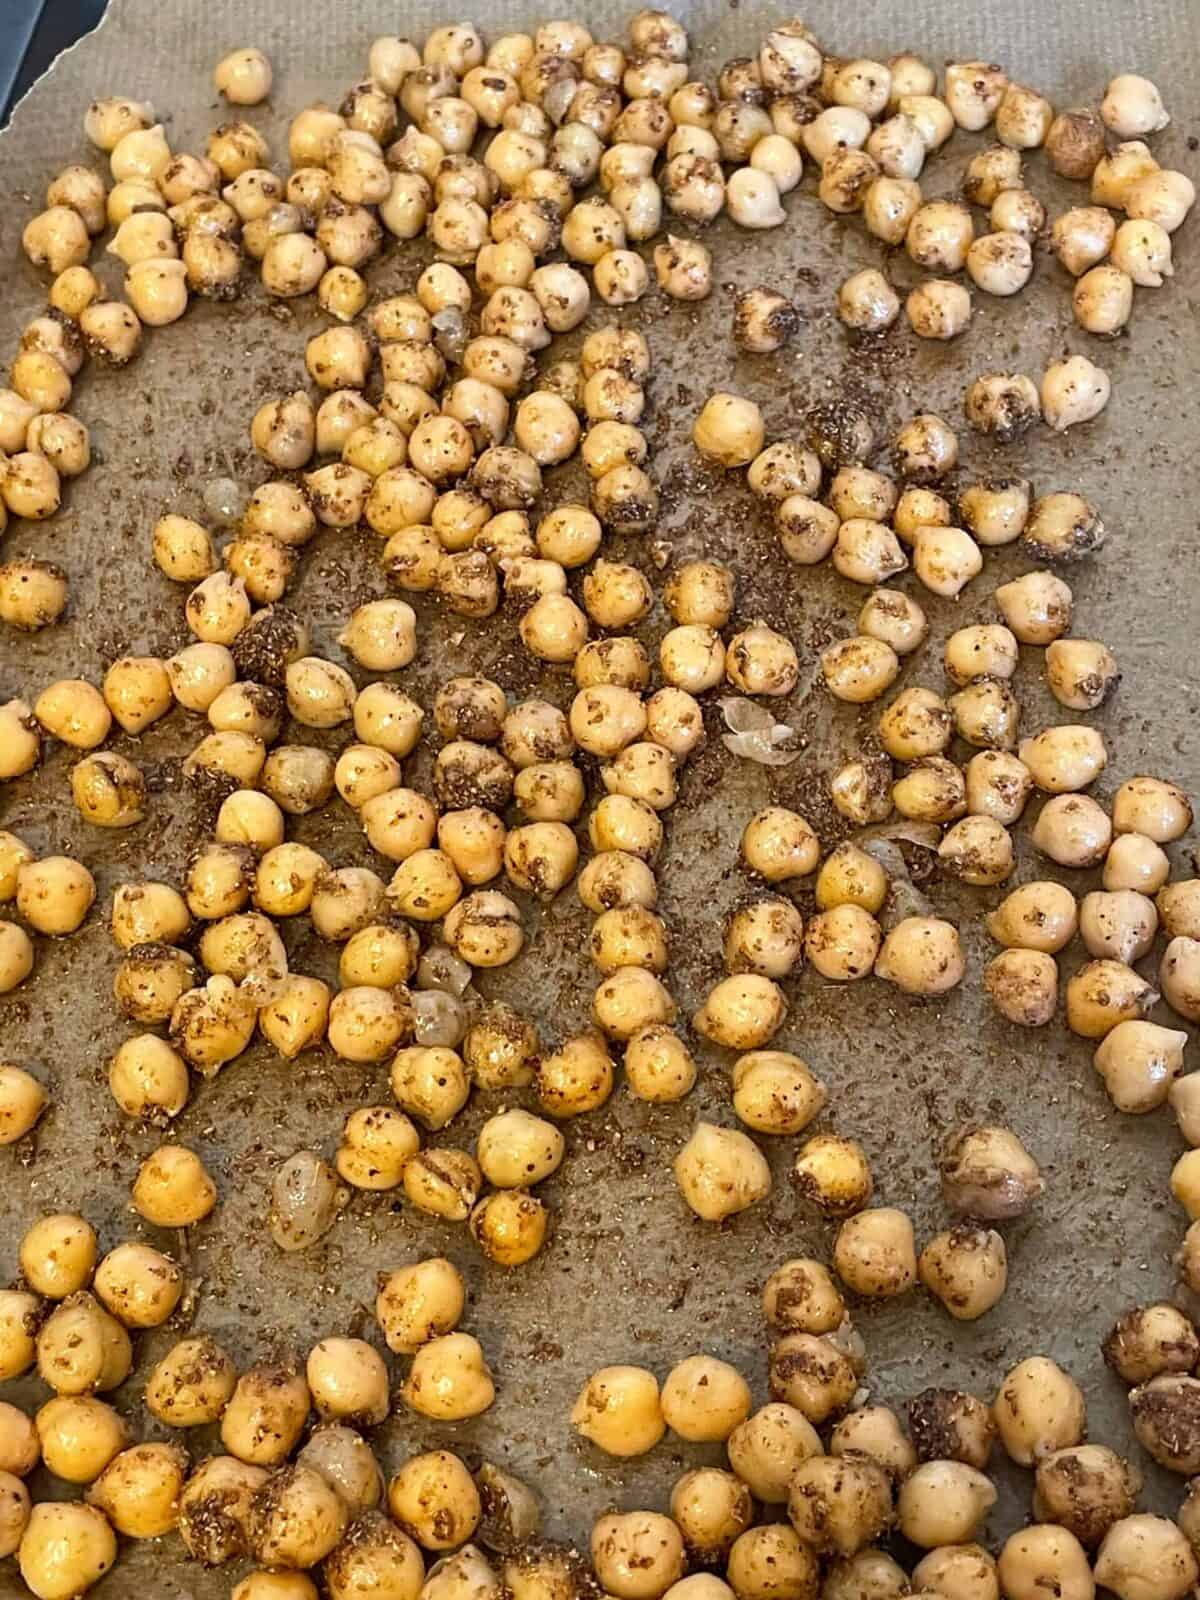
(52, 895)
(882, 122)
(289, 1497)
(847, 1473)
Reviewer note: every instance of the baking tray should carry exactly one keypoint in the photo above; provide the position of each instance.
(629, 1274)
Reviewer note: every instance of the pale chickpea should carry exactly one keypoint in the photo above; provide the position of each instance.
(1044, 1556)
(729, 430)
(769, 1559)
(1073, 831)
(943, 1503)
(721, 1172)
(711, 1508)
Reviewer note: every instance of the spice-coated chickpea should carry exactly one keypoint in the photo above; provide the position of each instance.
(983, 650)
(765, 1449)
(859, 669)
(658, 1065)
(366, 1023)
(33, 594)
(80, 1348)
(813, 1374)
(833, 1173)
(1085, 1489)
(1023, 985)
(637, 1555)
(895, 619)
(997, 786)
(839, 1504)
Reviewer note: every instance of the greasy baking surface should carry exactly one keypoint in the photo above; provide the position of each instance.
(629, 1273)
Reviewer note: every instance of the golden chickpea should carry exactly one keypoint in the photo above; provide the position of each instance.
(833, 1173)
(55, 894)
(19, 1315)
(22, 1098)
(192, 1383)
(711, 1508)
(65, 1549)
(16, 956)
(765, 1449)
(1023, 985)
(576, 1078)
(966, 1268)
(139, 1285)
(874, 1253)
(20, 1448)
(720, 1172)
(444, 1183)
(80, 1348)
(183, 549)
(877, 1433)
(419, 1303)
(139, 1489)
(79, 1436)
(1043, 1555)
(771, 1559)
(57, 1255)
(449, 1380)
(704, 1399)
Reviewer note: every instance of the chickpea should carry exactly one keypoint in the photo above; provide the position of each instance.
(943, 1503)
(1086, 1489)
(33, 594)
(729, 430)
(19, 1316)
(1042, 1555)
(1023, 985)
(22, 1098)
(984, 650)
(938, 309)
(683, 267)
(637, 1555)
(767, 1446)
(1143, 1555)
(16, 956)
(711, 1508)
(65, 1548)
(57, 1255)
(812, 1374)
(859, 669)
(449, 1380)
(1038, 1409)
(721, 1172)
(839, 1504)
(939, 236)
(55, 894)
(1164, 198)
(80, 1348)
(1135, 862)
(921, 956)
